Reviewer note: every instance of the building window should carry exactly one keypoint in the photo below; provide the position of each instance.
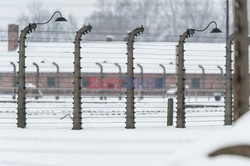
(124, 83)
(159, 84)
(84, 82)
(195, 83)
(51, 81)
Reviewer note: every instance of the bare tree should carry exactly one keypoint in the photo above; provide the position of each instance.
(167, 18)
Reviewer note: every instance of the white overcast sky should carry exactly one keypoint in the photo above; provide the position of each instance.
(11, 9)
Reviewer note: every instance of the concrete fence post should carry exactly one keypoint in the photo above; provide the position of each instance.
(181, 119)
(120, 77)
(222, 78)
(170, 112)
(130, 108)
(141, 81)
(57, 80)
(21, 103)
(77, 112)
(241, 74)
(203, 79)
(228, 82)
(14, 80)
(37, 80)
(102, 96)
(164, 80)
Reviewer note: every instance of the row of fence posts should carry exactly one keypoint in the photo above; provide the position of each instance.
(228, 116)
(130, 102)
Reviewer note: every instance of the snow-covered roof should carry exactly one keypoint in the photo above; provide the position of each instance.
(148, 54)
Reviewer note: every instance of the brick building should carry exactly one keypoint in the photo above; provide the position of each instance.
(149, 55)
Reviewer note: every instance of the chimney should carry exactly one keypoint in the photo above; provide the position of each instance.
(13, 37)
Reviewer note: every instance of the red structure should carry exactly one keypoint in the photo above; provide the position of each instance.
(13, 33)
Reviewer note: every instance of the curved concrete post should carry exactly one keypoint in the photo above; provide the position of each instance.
(203, 79)
(130, 108)
(241, 74)
(101, 68)
(37, 80)
(77, 112)
(141, 81)
(120, 75)
(14, 80)
(57, 82)
(181, 119)
(37, 74)
(203, 76)
(164, 79)
(102, 96)
(228, 82)
(222, 78)
(21, 108)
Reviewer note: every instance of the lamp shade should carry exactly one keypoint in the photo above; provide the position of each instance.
(59, 19)
(216, 30)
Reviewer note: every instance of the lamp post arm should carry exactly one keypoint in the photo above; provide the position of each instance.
(142, 79)
(37, 74)
(50, 18)
(98, 64)
(163, 67)
(140, 66)
(164, 79)
(57, 67)
(202, 68)
(201, 30)
(14, 74)
(119, 67)
(14, 66)
(221, 70)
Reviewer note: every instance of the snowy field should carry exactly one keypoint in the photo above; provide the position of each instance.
(151, 111)
(49, 141)
(161, 146)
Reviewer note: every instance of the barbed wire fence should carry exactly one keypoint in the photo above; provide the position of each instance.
(49, 86)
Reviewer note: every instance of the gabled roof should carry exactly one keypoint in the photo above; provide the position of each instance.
(148, 54)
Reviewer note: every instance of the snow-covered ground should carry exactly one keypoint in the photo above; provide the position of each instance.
(161, 146)
(49, 141)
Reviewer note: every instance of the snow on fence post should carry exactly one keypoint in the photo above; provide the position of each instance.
(21, 103)
(77, 112)
(228, 82)
(130, 113)
(170, 112)
(181, 80)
